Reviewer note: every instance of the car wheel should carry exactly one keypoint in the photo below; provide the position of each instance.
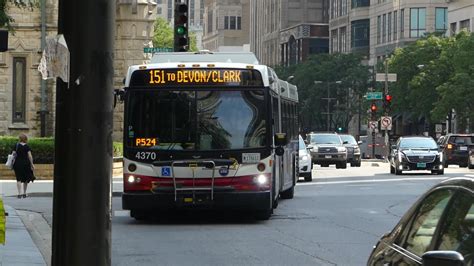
(392, 169)
(464, 165)
(344, 165)
(398, 172)
(353, 164)
(470, 166)
(139, 215)
(324, 165)
(441, 172)
(308, 177)
(359, 163)
(288, 194)
(446, 165)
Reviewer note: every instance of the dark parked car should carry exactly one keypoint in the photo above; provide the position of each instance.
(455, 148)
(470, 162)
(353, 149)
(326, 149)
(437, 230)
(416, 153)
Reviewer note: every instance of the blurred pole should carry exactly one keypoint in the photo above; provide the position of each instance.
(83, 138)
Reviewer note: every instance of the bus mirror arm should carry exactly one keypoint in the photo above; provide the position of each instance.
(118, 95)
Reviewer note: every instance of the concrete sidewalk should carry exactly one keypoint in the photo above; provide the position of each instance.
(19, 248)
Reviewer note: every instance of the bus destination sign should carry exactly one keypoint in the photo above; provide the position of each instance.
(193, 77)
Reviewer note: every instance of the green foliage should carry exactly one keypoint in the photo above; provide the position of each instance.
(163, 36)
(42, 149)
(5, 19)
(326, 69)
(435, 75)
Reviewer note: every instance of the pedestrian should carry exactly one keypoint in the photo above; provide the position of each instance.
(23, 165)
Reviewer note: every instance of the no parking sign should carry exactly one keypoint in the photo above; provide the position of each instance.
(386, 123)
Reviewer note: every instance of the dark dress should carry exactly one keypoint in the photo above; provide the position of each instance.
(22, 165)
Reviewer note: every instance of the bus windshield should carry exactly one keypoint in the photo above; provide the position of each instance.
(196, 120)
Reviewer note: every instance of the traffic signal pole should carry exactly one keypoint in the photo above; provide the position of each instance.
(83, 136)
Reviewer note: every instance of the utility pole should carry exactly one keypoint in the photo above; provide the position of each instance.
(83, 136)
(385, 109)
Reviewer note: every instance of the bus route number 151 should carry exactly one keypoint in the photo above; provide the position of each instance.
(145, 155)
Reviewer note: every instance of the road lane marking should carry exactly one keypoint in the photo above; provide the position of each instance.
(370, 181)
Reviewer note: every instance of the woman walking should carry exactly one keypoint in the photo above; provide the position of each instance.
(23, 165)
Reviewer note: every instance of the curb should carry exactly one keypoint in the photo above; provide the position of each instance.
(40, 232)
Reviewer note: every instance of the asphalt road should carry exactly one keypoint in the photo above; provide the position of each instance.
(334, 220)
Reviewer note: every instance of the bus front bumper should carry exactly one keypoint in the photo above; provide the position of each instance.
(252, 200)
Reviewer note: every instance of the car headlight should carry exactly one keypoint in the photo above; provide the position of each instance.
(304, 158)
(356, 149)
(341, 149)
(400, 156)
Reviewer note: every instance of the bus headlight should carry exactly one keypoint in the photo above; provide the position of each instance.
(132, 179)
(261, 179)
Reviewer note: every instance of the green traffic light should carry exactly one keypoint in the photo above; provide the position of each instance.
(180, 30)
(339, 128)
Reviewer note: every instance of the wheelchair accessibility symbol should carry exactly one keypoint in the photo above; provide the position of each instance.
(166, 171)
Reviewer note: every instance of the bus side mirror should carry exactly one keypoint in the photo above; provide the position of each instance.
(118, 95)
(280, 139)
(442, 257)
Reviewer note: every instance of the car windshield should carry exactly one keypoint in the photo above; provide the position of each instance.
(197, 120)
(463, 140)
(325, 139)
(418, 143)
(349, 138)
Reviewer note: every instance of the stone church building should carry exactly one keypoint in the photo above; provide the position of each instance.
(27, 102)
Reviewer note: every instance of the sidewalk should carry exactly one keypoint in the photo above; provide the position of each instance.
(19, 248)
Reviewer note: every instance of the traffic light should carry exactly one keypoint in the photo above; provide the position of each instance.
(181, 40)
(339, 129)
(387, 103)
(373, 111)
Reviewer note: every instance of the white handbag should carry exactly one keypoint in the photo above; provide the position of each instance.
(10, 161)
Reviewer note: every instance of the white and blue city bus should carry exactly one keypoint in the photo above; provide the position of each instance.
(208, 130)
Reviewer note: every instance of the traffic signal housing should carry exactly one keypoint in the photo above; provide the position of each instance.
(387, 102)
(181, 34)
(373, 111)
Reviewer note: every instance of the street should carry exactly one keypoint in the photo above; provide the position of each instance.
(333, 220)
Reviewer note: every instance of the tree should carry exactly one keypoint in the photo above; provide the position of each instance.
(163, 36)
(328, 68)
(5, 19)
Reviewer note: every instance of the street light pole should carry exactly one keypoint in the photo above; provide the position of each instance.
(328, 113)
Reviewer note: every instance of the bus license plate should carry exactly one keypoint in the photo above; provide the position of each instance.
(421, 165)
(328, 156)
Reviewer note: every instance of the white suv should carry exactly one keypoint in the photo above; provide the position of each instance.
(305, 164)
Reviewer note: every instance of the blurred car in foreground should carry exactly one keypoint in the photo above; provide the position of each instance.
(455, 148)
(353, 149)
(437, 230)
(326, 149)
(304, 163)
(416, 153)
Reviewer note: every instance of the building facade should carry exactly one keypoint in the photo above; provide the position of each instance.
(226, 25)
(23, 93)
(460, 15)
(376, 28)
(287, 31)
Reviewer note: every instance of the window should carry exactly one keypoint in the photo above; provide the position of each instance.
(464, 24)
(360, 3)
(191, 10)
(239, 23)
(19, 89)
(232, 24)
(417, 22)
(360, 33)
(379, 29)
(426, 220)
(334, 41)
(441, 19)
(226, 22)
(395, 29)
(342, 40)
(453, 28)
(170, 10)
(402, 23)
(209, 21)
(389, 27)
(384, 28)
(458, 232)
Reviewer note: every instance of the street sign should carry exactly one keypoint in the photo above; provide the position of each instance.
(386, 123)
(157, 49)
(374, 95)
(392, 77)
(439, 128)
(373, 126)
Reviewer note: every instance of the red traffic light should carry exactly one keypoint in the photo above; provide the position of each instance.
(388, 98)
(373, 107)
